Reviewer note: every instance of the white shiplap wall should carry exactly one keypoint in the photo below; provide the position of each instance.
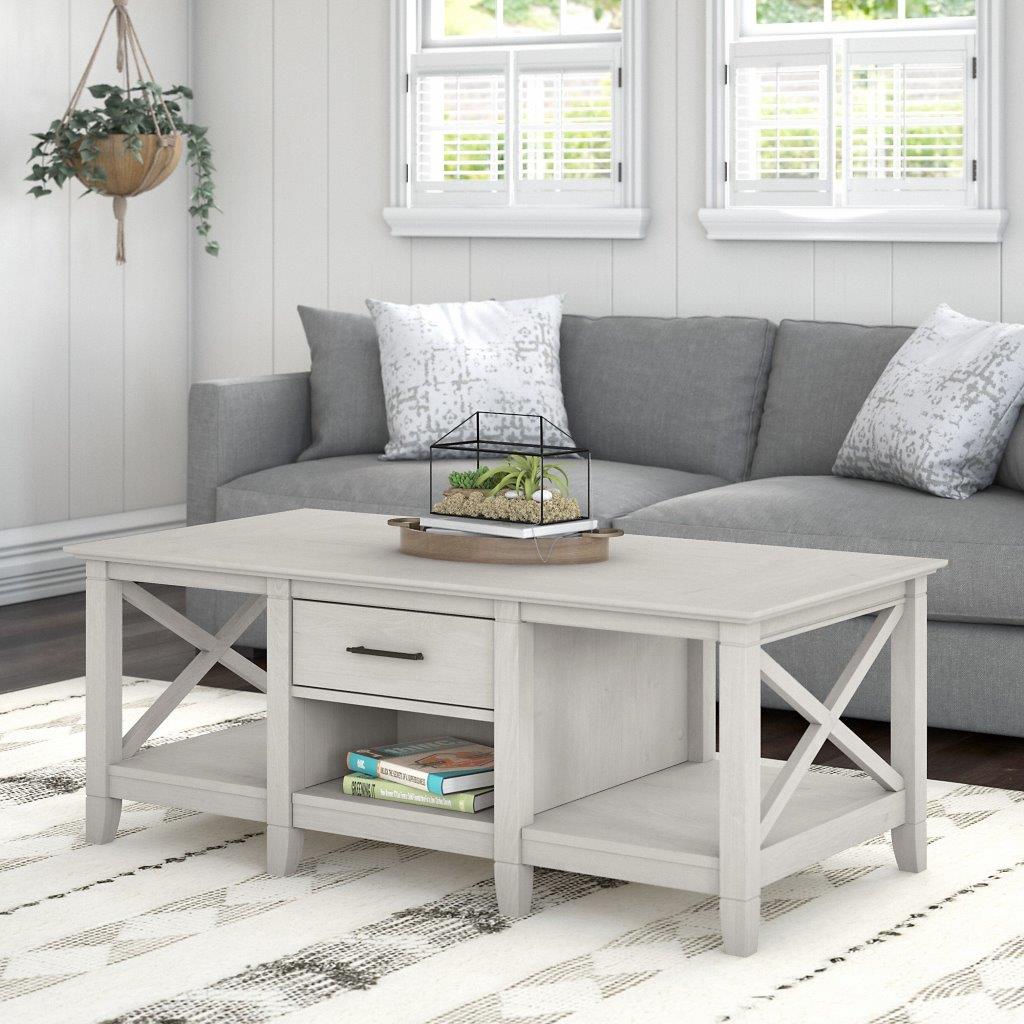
(300, 88)
(94, 358)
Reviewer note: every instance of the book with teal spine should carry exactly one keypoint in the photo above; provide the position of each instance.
(469, 802)
(441, 766)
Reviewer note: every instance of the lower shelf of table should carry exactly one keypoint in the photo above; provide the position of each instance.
(325, 808)
(223, 772)
(663, 829)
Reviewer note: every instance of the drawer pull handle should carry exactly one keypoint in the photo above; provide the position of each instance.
(385, 654)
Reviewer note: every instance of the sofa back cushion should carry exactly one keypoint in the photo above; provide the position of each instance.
(347, 414)
(1011, 469)
(821, 374)
(680, 393)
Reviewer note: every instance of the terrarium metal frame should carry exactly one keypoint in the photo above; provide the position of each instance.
(482, 447)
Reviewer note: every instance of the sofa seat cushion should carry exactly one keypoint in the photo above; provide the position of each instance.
(982, 536)
(363, 483)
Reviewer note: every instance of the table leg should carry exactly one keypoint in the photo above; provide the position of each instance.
(739, 827)
(513, 757)
(909, 730)
(103, 684)
(701, 666)
(285, 742)
(284, 849)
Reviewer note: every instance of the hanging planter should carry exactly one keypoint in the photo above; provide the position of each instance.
(122, 172)
(130, 144)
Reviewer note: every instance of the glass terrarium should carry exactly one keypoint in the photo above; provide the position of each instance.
(514, 469)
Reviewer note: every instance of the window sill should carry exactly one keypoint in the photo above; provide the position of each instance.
(808, 224)
(532, 222)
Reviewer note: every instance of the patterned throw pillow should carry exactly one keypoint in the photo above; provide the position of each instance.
(440, 363)
(939, 417)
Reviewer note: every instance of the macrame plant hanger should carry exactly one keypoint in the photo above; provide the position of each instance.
(158, 164)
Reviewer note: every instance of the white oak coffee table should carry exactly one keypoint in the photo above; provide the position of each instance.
(597, 683)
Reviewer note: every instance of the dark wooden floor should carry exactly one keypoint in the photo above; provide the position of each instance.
(44, 641)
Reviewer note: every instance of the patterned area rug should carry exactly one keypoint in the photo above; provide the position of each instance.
(176, 921)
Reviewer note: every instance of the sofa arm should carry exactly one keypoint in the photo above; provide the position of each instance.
(242, 426)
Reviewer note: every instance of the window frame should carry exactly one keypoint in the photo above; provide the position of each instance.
(982, 220)
(569, 213)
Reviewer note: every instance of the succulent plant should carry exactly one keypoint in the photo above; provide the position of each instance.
(525, 474)
(470, 479)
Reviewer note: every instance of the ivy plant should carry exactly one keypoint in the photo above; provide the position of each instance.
(69, 147)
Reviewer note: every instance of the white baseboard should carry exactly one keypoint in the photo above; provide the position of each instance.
(33, 564)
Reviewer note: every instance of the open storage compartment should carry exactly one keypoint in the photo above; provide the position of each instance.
(324, 807)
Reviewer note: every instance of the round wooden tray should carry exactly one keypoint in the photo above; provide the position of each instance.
(573, 549)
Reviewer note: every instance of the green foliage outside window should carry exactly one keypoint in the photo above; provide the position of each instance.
(940, 8)
(789, 12)
(863, 10)
(467, 156)
(539, 13)
(464, 18)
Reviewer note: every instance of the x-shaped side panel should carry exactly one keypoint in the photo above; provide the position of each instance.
(211, 650)
(824, 718)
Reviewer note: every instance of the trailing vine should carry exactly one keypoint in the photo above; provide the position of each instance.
(68, 147)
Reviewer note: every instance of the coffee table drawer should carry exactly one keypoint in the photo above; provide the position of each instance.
(447, 659)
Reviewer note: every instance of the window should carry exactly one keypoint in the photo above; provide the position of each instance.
(517, 118)
(854, 119)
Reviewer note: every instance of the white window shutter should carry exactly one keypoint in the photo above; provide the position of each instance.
(780, 111)
(459, 149)
(910, 111)
(567, 143)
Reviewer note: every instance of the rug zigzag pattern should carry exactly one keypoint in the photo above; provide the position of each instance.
(70, 722)
(990, 990)
(126, 938)
(69, 777)
(359, 959)
(605, 972)
(573, 982)
(10, 704)
(67, 836)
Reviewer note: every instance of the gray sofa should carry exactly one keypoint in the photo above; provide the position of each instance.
(713, 428)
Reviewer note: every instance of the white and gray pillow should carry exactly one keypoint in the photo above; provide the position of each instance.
(939, 417)
(440, 363)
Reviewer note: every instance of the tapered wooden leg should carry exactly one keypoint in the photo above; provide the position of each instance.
(513, 756)
(284, 850)
(514, 886)
(910, 845)
(103, 683)
(739, 825)
(909, 716)
(102, 814)
(740, 922)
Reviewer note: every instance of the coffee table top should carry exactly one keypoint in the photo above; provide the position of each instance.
(697, 579)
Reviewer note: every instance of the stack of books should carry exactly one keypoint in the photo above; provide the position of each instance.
(449, 773)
